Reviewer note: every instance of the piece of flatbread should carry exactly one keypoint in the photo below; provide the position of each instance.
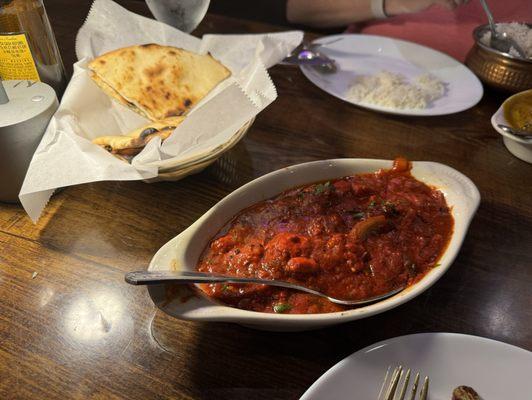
(131, 144)
(157, 81)
(109, 91)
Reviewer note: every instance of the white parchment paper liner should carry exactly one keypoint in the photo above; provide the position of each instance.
(66, 155)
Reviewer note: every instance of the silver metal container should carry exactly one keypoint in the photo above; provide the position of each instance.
(23, 120)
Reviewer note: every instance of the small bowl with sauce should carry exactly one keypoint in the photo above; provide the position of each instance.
(516, 112)
(185, 250)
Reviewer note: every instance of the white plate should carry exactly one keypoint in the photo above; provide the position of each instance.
(497, 371)
(368, 54)
(183, 251)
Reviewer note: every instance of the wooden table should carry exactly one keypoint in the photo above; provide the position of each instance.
(71, 328)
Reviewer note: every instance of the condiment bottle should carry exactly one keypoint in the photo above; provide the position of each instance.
(28, 50)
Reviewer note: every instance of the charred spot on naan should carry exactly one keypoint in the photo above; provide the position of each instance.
(129, 55)
(180, 110)
(154, 70)
(132, 144)
(149, 133)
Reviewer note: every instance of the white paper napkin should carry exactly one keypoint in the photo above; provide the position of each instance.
(66, 155)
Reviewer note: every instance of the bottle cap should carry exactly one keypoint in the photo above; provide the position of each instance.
(27, 100)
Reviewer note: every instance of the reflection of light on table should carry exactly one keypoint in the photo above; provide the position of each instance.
(93, 241)
(497, 305)
(92, 317)
(46, 296)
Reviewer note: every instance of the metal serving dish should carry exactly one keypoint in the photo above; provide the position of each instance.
(498, 70)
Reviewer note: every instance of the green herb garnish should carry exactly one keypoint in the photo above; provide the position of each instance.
(281, 307)
(389, 208)
(372, 204)
(322, 187)
(359, 215)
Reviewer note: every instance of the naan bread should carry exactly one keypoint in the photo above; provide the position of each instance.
(158, 81)
(131, 144)
(109, 91)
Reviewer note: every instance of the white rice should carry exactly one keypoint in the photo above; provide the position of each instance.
(391, 90)
(520, 33)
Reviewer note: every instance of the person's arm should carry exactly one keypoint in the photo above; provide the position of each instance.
(330, 13)
(326, 13)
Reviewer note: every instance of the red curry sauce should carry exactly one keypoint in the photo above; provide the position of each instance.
(354, 237)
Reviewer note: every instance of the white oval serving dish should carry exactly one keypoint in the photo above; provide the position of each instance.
(519, 147)
(183, 251)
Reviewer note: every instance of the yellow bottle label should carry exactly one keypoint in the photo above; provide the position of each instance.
(16, 61)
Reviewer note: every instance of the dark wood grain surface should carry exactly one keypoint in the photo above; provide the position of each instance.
(71, 328)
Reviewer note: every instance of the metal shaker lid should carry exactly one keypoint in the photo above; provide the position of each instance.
(27, 100)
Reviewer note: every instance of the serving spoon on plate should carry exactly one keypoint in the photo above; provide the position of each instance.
(187, 277)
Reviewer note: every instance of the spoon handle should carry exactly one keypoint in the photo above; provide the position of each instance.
(516, 132)
(157, 277)
(489, 14)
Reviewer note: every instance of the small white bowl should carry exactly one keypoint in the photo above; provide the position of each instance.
(184, 250)
(519, 147)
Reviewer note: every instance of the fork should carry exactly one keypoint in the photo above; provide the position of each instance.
(400, 377)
